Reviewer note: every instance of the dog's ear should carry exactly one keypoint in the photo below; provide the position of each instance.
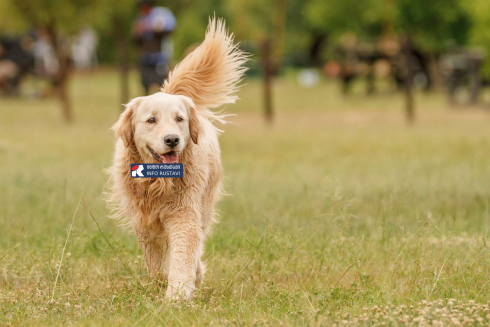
(124, 128)
(194, 124)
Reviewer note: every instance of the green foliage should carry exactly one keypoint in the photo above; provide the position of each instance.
(10, 20)
(361, 17)
(190, 32)
(64, 15)
(108, 10)
(480, 33)
(110, 18)
(434, 25)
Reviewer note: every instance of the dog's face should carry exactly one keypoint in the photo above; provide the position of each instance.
(160, 125)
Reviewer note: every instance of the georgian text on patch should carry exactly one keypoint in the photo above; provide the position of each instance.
(157, 170)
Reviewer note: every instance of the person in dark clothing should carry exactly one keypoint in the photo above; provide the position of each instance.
(152, 30)
(16, 61)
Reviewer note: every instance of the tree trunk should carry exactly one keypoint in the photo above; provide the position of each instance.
(435, 78)
(278, 32)
(475, 81)
(316, 47)
(370, 79)
(268, 72)
(123, 58)
(272, 49)
(63, 94)
(408, 81)
(242, 18)
(63, 74)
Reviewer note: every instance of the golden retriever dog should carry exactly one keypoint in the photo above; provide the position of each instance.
(173, 216)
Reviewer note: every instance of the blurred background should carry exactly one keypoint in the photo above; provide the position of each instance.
(358, 162)
(387, 46)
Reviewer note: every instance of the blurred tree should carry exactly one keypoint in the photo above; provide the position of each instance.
(265, 26)
(433, 25)
(353, 27)
(10, 20)
(480, 32)
(57, 19)
(192, 20)
(365, 18)
(430, 26)
(303, 43)
(115, 17)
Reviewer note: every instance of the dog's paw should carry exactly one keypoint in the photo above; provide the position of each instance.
(179, 291)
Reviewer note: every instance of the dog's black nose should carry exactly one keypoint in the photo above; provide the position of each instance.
(171, 140)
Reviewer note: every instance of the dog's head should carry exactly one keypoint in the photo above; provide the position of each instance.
(160, 126)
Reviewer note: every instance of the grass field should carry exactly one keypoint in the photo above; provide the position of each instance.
(339, 213)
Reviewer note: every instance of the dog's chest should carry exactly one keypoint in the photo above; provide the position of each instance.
(160, 197)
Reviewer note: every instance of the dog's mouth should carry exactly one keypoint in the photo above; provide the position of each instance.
(169, 157)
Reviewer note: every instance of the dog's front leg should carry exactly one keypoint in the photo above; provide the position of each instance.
(152, 249)
(185, 242)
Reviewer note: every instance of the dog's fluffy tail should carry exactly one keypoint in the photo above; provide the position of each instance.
(211, 73)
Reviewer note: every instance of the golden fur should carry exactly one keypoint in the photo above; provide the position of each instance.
(173, 217)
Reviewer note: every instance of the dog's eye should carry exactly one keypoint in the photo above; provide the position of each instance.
(179, 119)
(151, 121)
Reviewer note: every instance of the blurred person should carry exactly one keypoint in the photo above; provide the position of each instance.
(53, 59)
(16, 61)
(45, 58)
(84, 49)
(152, 30)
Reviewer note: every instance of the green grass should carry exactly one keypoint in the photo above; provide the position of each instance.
(338, 209)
